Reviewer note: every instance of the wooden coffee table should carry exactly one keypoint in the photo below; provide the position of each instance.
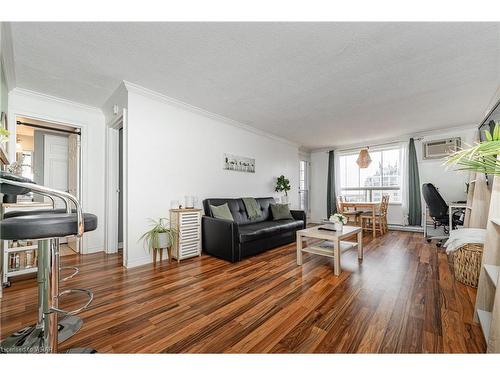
(332, 245)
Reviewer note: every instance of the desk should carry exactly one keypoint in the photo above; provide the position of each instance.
(373, 206)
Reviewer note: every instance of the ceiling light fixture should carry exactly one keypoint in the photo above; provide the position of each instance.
(364, 158)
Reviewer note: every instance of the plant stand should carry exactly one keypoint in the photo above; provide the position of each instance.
(160, 250)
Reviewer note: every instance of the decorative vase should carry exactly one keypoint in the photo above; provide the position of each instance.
(284, 199)
(338, 227)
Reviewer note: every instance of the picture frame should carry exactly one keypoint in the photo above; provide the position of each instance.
(238, 163)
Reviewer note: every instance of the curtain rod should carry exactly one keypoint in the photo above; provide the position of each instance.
(77, 132)
(377, 145)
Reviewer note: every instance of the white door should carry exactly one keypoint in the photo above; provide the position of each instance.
(304, 186)
(55, 164)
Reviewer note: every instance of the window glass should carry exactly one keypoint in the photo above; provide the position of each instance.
(365, 184)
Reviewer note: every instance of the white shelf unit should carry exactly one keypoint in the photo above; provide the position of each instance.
(488, 295)
(484, 321)
(492, 272)
(187, 223)
(9, 250)
(21, 252)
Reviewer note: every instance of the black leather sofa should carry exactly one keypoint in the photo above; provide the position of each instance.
(234, 240)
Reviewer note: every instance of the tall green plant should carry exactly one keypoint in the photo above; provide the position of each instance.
(152, 237)
(480, 158)
(4, 135)
(282, 184)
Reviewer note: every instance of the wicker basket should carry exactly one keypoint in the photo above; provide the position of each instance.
(467, 264)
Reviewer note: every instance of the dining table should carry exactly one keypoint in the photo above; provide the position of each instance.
(363, 206)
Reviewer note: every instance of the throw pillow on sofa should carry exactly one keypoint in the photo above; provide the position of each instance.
(281, 211)
(221, 212)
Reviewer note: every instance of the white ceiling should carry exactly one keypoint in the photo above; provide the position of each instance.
(317, 84)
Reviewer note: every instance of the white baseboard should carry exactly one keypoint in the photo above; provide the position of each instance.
(131, 263)
(406, 228)
(92, 250)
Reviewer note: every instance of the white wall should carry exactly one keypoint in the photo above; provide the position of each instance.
(176, 151)
(451, 183)
(91, 120)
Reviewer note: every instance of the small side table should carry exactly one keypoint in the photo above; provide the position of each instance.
(187, 223)
(160, 250)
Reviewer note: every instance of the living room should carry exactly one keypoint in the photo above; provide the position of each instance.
(249, 187)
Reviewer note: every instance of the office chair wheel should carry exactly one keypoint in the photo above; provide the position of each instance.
(6, 284)
(438, 244)
(429, 240)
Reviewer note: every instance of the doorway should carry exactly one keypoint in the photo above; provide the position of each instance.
(49, 154)
(304, 167)
(116, 187)
(120, 189)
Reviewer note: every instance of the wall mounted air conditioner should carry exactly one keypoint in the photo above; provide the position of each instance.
(440, 148)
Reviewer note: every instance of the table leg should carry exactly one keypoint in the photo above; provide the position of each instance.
(299, 249)
(154, 255)
(360, 245)
(373, 223)
(161, 254)
(336, 259)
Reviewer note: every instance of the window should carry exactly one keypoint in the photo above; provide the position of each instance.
(304, 185)
(383, 176)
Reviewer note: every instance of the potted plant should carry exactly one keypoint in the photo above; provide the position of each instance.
(482, 157)
(283, 185)
(160, 236)
(4, 135)
(338, 221)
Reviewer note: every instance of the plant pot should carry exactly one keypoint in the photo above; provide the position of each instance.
(285, 199)
(163, 241)
(338, 227)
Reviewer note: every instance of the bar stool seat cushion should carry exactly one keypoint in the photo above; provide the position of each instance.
(11, 189)
(50, 225)
(35, 212)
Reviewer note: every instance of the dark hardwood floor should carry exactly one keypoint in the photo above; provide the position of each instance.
(401, 299)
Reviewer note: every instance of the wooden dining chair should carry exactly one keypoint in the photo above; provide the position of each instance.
(352, 215)
(380, 217)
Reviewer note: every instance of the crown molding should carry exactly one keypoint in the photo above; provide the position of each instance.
(7, 56)
(35, 94)
(132, 87)
(401, 138)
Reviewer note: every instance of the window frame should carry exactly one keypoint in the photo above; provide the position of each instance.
(369, 189)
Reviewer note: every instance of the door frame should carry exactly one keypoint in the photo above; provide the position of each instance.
(82, 154)
(112, 186)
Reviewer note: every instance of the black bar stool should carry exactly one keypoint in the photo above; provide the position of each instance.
(46, 228)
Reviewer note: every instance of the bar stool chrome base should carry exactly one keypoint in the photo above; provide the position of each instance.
(26, 339)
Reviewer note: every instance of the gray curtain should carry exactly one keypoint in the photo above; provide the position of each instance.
(414, 200)
(331, 196)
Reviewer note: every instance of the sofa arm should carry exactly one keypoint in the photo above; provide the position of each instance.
(299, 215)
(220, 238)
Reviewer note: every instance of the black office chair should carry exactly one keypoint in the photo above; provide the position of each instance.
(439, 210)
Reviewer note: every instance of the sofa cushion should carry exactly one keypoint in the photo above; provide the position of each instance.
(255, 231)
(280, 211)
(221, 212)
(238, 210)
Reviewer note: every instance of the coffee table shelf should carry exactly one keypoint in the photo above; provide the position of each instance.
(326, 248)
(333, 243)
